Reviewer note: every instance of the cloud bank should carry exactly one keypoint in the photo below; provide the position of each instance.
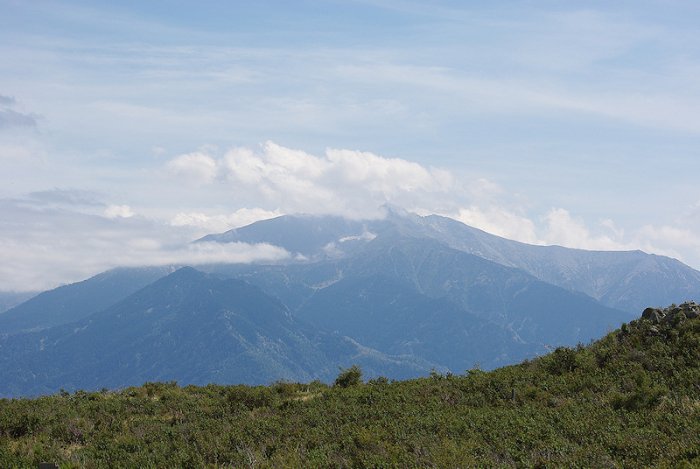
(275, 179)
(43, 245)
(345, 182)
(54, 236)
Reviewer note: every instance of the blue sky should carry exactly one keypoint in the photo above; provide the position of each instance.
(129, 128)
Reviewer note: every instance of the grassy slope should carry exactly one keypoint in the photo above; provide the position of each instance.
(631, 399)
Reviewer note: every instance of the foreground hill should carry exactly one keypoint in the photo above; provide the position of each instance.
(629, 400)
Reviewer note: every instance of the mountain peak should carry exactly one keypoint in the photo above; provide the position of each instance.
(187, 272)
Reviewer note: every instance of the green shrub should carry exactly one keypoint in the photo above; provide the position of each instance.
(349, 377)
(562, 360)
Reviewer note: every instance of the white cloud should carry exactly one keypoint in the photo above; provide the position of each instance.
(386, 176)
(222, 222)
(565, 230)
(350, 183)
(356, 184)
(118, 211)
(55, 236)
(499, 221)
(617, 232)
(197, 168)
(202, 253)
(559, 227)
(43, 246)
(365, 236)
(680, 242)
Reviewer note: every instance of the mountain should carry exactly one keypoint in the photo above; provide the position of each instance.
(294, 233)
(624, 280)
(418, 296)
(72, 302)
(189, 327)
(391, 316)
(400, 296)
(530, 308)
(627, 281)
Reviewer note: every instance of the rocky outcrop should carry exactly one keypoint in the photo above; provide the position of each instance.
(688, 310)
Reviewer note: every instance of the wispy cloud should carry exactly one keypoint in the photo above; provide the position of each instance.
(632, 102)
(220, 222)
(12, 118)
(7, 101)
(43, 248)
(69, 197)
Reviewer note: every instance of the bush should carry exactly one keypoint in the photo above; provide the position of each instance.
(379, 381)
(562, 360)
(249, 397)
(643, 394)
(349, 377)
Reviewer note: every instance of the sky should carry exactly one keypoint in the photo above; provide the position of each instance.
(129, 129)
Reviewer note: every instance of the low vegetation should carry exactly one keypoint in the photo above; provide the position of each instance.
(631, 399)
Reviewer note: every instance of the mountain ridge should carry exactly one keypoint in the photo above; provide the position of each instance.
(72, 302)
(191, 327)
(619, 279)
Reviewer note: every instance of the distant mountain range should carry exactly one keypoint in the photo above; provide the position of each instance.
(190, 327)
(399, 296)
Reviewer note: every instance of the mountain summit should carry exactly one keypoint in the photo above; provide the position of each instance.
(625, 280)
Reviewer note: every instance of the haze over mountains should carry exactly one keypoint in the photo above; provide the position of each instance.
(399, 296)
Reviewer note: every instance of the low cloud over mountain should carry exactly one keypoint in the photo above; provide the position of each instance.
(59, 235)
